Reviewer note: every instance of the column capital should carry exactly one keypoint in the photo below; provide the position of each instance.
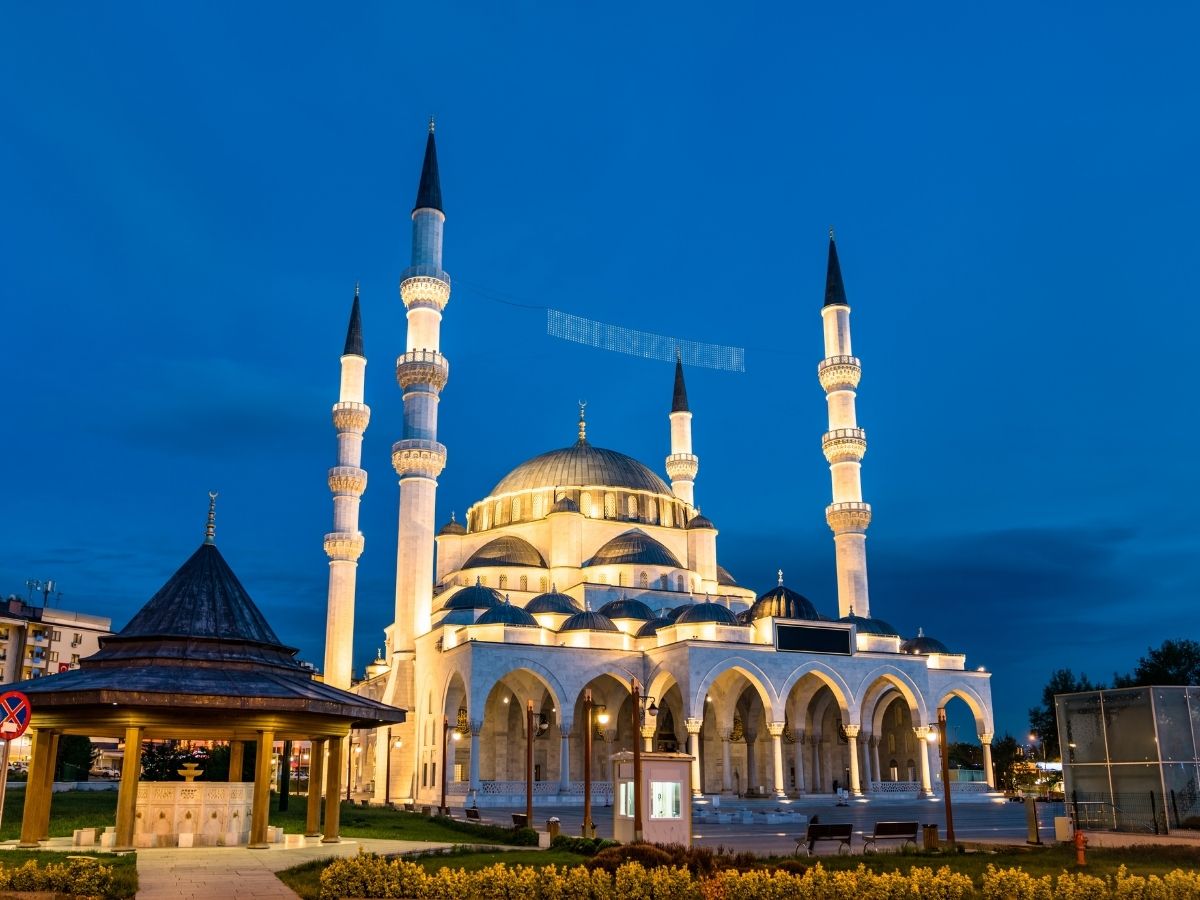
(775, 729)
(648, 731)
(476, 726)
(694, 725)
(564, 728)
(921, 731)
(852, 731)
(985, 737)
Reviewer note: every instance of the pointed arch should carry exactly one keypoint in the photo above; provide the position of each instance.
(751, 672)
(902, 682)
(979, 709)
(831, 678)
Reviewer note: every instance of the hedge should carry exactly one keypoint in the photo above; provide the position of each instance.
(373, 876)
(79, 877)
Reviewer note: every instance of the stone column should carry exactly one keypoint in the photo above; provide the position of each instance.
(333, 793)
(867, 776)
(131, 770)
(817, 785)
(875, 755)
(800, 782)
(261, 804)
(475, 784)
(726, 763)
(693, 731)
(648, 738)
(923, 755)
(316, 767)
(855, 781)
(989, 773)
(564, 757)
(776, 731)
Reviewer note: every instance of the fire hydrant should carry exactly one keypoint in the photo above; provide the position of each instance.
(1080, 848)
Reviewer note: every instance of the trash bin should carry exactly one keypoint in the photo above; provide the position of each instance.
(930, 836)
(552, 827)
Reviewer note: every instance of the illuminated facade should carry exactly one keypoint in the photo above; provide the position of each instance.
(583, 569)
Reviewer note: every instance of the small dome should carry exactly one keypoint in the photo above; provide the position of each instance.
(453, 527)
(744, 617)
(707, 612)
(552, 602)
(699, 521)
(454, 617)
(507, 614)
(783, 603)
(923, 645)
(870, 626)
(627, 608)
(564, 504)
(725, 578)
(589, 621)
(651, 628)
(505, 551)
(474, 597)
(678, 611)
(635, 547)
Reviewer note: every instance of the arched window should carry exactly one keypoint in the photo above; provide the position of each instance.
(498, 515)
(664, 582)
(632, 506)
(486, 519)
(679, 583)
(524, 582)
(539, 506)
(516, 509)
(908, 742)
(666, 513)
(651, 510)
(610, 506)
(483, 580)
(899, 714)
(644, 580)
(543, 584)
(585, 505)
(503, 582)
(892, 745)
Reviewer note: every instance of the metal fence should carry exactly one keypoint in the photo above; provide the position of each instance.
(1141, 812)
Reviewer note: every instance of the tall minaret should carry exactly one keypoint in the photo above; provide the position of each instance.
(422, 373)
(682, 464)
(347, 481)
(844, 445)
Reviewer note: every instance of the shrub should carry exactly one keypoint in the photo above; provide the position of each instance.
(581, 845)
(78, 877)
(520, 837)
(648, 855)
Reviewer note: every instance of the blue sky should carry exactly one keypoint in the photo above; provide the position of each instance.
(190, 193)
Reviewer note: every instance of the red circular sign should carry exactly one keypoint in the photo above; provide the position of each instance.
(14, 715)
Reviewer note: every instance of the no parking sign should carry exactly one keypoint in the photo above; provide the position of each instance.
(14, 710)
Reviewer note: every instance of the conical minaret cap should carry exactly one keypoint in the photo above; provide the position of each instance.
(679, 400)
(835, 290)
(429, 192)
(354, 337)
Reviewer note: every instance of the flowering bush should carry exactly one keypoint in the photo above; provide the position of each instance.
(77, 878)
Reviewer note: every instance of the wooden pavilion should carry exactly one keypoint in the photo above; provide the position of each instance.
(198, 662)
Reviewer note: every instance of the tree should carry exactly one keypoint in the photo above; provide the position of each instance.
(1175, 662)
(75, 758)
(161, 761)
(1043, 720)
(964, 756)
(1005, 754)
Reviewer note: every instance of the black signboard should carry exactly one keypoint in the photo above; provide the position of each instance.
(811, 639)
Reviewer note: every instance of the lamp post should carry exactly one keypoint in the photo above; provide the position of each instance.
(529, 764)
(446, 738)
(639, 718)
(942, 746)
(589, 829)
(354, 748)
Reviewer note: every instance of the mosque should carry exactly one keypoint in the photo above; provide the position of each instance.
(583, 572)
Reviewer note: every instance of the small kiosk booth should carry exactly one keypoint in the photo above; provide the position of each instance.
(666, 797)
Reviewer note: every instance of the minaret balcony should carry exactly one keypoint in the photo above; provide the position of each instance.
(344, 545)
(425, 286)
(351, 416)
(844, 444)
(839, 373)
(682, 466)
(347, 480)
(418, 458)
(422, 367)
(848, 518)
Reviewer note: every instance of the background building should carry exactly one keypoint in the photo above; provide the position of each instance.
(43, 640)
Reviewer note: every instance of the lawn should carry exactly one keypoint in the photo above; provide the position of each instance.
(124, 866)
(68, 811)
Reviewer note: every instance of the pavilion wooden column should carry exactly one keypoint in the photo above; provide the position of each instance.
(316, 769)
(262, 791)
(333, 793)
(237, 754)
(48, 787)
(31, 820)
(131, 770)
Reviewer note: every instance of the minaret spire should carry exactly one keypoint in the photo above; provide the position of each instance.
(210, 530)
(582, 422)
(347, 481)
(844, 445)
(429, 190)
(679, 401)
(682, 464)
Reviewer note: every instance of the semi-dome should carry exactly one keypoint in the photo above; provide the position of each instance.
(725, 578)
(707, 612)
(552, 602)
(649, 629)
(581, 465)
(783, 603)
(923, 645)
(699, 521)
(453, 527)
(474, 597)
(589, 621)
(505, 551)
(634, 547)
(507, 614)
(564, 504)
(870, 626)
(627, 608)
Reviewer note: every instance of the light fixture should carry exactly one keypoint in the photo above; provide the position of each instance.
(457, 736)
(602, 718)
(652, 709)
(932, 734)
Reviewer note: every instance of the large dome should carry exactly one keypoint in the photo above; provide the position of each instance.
(581, 465)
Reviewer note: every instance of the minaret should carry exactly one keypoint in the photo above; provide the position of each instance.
(422, 373)
(844, 445)
(347, 481)
(682, 464)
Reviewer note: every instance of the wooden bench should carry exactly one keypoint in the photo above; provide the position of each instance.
(520, 821)
(905, 832)
(472, 814)
(842, 833)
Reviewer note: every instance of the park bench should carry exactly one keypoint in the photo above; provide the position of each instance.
(520, 821)
(815, 833)
(472, 814)
(905, 832)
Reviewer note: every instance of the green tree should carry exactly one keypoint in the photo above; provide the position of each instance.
(1043, 720)
(1175, 662)
(965, 756)
(1005, 754)
(162, 760)
(75, 758)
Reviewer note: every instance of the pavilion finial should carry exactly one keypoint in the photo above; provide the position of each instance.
(780, 574)
(210, 530)
(832, 237)
(920, 631)
(431, 124)
(582, 422)
(356, 289)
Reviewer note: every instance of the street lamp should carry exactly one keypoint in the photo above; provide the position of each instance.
(943, 750)
(589, 829)
(446, 737)
(642, 706)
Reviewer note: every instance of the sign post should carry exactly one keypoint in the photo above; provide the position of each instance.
(15, 712)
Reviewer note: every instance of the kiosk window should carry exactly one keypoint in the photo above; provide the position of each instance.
(665, 799)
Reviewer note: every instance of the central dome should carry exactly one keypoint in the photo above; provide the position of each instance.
(581, 465)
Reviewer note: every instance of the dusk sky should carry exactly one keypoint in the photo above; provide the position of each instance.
(189, 194)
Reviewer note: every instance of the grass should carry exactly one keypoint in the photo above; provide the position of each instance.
(124, 866)
(68, 811)
(391, 824)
